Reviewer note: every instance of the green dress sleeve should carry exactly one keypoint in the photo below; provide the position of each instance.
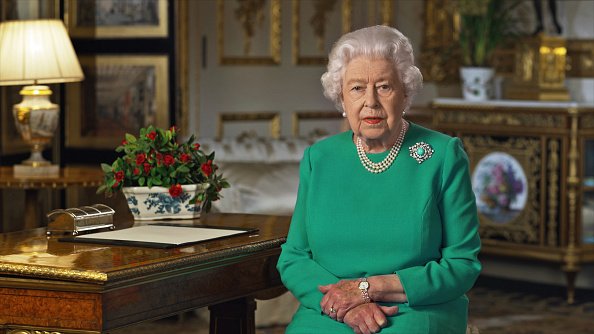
(299, 272)
(455, 272)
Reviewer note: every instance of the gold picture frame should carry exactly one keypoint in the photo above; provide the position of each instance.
(272, 118)
(111, 100)
(149, 19)
(247, 21)
(318, 17)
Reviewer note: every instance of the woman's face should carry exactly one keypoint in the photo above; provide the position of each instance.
(373, 99)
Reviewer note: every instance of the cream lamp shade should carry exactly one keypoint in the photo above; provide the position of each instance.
(37, 52)
(34, 53)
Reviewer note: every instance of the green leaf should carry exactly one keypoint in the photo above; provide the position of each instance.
(130, 138)
(183, 169)
(141, 181)
(157, 181)
(101, 189)
(105, 168)
(150, 182)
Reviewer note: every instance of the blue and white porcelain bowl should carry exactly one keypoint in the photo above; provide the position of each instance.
(156, 203)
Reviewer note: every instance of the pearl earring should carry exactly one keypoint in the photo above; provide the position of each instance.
(343, 114)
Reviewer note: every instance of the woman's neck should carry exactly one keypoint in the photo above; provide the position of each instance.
(380, 145)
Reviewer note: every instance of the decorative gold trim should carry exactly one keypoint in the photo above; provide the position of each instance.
(45, 330)
(553, 189)
(587, 122)
(182, 83)
(500, 118)
(265, 248)
(53, 273)
(571, 258)
(346, 24)
(299, 116)
(272, 117)
(524, 228)
(275, 38)
(580, 58)
(573, 179)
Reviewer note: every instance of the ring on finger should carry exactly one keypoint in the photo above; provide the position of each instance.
(332, 310)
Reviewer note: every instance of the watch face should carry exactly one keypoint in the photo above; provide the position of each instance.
(364, 285)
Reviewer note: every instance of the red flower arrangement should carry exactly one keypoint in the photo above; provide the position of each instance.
(156, 159)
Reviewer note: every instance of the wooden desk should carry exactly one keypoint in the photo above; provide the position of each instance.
(69, 177)
(51, 286)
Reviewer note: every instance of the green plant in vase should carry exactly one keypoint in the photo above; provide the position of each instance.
(483, 26)
(155, 159)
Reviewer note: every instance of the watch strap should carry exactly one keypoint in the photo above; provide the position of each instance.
(364, 289)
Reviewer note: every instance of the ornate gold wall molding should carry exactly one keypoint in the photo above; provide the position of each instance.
(273, 118)
(250, 14)
(525, 227)
(438, 61)
(299, 116)
(318, 21)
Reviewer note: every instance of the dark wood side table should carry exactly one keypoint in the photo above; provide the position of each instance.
(48, 286)
(69, 177)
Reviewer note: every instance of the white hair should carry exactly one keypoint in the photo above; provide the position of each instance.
(374, 42)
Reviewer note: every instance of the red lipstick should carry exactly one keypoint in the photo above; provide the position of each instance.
(372, 120)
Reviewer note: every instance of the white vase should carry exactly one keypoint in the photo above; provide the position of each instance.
(477, 83)
(156, 203)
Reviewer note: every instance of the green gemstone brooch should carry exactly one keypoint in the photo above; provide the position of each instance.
(421, 151)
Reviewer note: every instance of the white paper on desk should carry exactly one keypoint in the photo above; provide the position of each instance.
(174, 235)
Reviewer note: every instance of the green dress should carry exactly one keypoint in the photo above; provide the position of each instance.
(417, 220)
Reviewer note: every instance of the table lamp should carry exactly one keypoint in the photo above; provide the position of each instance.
(34, 53)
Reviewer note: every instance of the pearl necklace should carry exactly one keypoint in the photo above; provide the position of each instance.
(382, 166)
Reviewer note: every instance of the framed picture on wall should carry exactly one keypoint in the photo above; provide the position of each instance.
(117, 18)
(120, 94)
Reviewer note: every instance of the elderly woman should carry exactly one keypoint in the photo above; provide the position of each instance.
(384, 233)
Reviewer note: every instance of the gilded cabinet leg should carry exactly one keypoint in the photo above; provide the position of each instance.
(235, 316)
(570, 276)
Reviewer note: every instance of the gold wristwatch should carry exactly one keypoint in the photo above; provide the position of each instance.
(364, 287)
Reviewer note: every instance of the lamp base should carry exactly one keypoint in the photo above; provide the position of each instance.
(26, 171)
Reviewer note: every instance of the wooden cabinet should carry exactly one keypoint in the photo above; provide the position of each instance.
(532, 169)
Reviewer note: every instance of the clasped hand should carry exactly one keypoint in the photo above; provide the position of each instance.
(343, 302)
